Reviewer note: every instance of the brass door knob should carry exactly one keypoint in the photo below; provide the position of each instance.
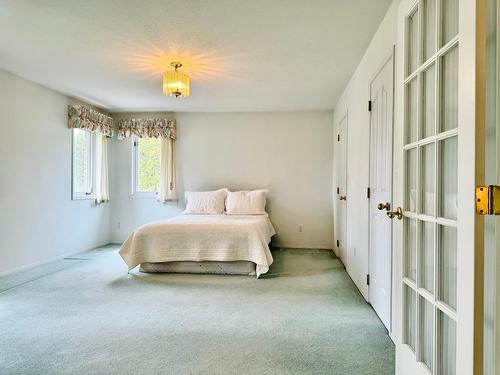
(343, 198)
(398, 213)
(384, 206)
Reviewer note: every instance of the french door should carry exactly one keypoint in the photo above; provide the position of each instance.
(435, 175)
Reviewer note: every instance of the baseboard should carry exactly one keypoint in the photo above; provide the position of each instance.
(299, 248)
(53, 259)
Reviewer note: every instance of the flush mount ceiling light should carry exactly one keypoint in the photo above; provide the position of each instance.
(176, 83)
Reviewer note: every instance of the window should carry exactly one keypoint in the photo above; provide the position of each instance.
(145, 167)
(83, 164)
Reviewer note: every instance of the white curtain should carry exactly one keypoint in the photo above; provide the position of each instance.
(167, 189)
(101, 164)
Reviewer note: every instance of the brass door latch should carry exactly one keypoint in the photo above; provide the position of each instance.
(488, 200)
(384, 206)
(398, 213)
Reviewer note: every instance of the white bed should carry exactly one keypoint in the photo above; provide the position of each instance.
(215, 242)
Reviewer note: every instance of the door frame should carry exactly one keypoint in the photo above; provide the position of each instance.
(389, 56)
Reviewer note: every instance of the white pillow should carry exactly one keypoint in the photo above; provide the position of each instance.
(205, 202)
(246, 202)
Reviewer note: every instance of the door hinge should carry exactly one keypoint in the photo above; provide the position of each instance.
(136, 143)
(368, 279)
(338, 243)
(338, 137)
(369, 105)
(338, 190)
(368, 193)
(488, 200)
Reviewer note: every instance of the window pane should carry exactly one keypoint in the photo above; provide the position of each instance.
(447, 272)
(411, 180)
(427, 255)
(449, 90)
(426, 330)
(449, 19)
(430, 28)
(82, 161)
(429, 102)
(448, 175)
(411, 112)
(428, 177)
(409, 316)
(148, 164)
(412, 42)
(410, 254)
(447, 345)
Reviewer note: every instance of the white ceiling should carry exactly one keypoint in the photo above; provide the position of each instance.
(242, 55)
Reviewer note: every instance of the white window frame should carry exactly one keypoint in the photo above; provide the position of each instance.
(79, 195)
(135, 193)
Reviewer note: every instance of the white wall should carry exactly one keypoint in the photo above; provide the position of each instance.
(355, 100)
(38, 219)
(289, 153)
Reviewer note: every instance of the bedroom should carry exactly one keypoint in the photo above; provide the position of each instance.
(215, 187)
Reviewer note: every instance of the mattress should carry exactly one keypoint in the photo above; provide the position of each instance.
(199, 238)
(220, 268)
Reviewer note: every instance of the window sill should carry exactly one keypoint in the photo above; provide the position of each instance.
(143, 196)
(83, 197)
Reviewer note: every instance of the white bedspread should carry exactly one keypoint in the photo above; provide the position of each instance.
(202, 238)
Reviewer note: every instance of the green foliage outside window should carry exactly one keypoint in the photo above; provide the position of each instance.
(81, 144)
(148, 164)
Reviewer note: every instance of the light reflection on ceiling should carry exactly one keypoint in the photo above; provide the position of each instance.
(202, 66)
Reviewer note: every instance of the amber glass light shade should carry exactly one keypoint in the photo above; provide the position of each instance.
(176, 83)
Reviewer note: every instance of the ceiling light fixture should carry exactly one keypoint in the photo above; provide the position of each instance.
(176, 83)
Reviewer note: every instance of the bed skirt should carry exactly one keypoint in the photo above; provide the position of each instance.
(210, 267)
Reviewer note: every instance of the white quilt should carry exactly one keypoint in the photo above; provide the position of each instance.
(202, 238)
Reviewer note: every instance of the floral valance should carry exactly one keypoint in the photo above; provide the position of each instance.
(83, 117)
(151, 127)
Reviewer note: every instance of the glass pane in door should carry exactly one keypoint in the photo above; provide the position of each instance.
(410, 316)
(429, 29)
(427, 256)
(447, 269)
(449, 178)
(427, 333)
(429, 102)
(449, 90)
(449, 20)
(412, 42)
(447, 344)
(410, 255)
(427, 175)
(411, 180)
(411, 118)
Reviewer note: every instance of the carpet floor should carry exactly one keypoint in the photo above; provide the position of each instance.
(86, 315)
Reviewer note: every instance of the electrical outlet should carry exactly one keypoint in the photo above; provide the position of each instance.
(118, 225)
(301, 227)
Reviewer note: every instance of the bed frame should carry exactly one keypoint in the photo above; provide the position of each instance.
(221, 268)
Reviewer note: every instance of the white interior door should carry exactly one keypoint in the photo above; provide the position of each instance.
(435, 178)
(341, 190)
(381, 131)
